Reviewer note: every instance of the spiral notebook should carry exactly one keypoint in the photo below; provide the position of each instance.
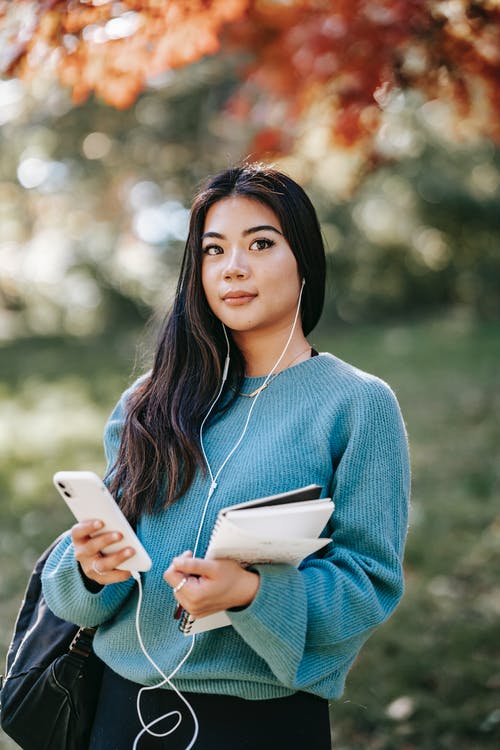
(282, 528)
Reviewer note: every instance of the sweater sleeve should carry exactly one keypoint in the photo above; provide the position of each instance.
(307, 623)
(62, 582)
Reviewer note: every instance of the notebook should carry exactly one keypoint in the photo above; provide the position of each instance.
(282, 528)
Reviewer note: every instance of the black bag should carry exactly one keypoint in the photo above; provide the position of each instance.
(49, 696)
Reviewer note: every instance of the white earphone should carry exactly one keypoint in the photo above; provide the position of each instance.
(147, 728)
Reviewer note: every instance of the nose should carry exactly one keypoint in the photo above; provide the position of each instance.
(236, 266)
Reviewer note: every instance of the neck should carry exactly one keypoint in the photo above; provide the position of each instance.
(261, 352)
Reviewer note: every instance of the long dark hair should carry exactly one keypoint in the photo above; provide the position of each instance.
(160, 450)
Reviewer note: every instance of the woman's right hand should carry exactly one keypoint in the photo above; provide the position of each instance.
(94, 563)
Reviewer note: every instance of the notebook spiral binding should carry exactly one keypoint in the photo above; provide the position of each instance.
(187, 621)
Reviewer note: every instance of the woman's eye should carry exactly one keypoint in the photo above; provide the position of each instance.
(212, 250)
(261, 244)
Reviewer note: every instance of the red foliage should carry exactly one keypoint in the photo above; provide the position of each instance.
(348, 54)
(353, 53)
(113, 48)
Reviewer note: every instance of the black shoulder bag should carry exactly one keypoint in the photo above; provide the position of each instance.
(49, 695)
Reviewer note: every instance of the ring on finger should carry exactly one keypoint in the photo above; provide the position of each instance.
(180, 585)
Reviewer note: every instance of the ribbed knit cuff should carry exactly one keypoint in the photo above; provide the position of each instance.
(273, 628)
(67, 596)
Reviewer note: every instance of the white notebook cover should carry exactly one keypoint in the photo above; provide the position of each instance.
(256, 532)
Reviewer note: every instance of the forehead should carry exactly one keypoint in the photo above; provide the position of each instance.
(238, 213)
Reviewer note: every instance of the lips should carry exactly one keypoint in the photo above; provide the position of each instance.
(238, 297)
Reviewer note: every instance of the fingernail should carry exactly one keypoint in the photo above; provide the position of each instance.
(129, 552)
(97, 524)
(115, 535)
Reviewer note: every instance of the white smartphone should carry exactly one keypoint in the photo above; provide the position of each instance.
(87, 497)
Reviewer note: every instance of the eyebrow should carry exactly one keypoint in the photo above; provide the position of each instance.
(245, 233)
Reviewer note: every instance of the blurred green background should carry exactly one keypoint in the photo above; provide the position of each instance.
(93, 213)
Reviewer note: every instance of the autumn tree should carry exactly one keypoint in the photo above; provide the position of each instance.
(327, 88)
(333, 62)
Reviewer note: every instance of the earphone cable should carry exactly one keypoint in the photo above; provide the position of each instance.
(240, 439)
(146, 728)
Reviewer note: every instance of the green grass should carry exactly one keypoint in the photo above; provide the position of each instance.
(441, 650)
(429, 679)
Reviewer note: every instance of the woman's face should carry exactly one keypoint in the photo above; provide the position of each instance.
(249, 273)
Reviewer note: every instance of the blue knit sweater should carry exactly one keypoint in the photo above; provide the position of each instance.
(321, 421)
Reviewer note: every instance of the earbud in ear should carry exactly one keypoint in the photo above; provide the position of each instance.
(303, 283)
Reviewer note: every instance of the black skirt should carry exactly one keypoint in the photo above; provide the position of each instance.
(297, 722)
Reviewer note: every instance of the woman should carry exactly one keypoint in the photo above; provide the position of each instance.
(184, 442)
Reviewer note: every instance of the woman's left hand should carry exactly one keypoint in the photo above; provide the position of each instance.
(212, 585)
